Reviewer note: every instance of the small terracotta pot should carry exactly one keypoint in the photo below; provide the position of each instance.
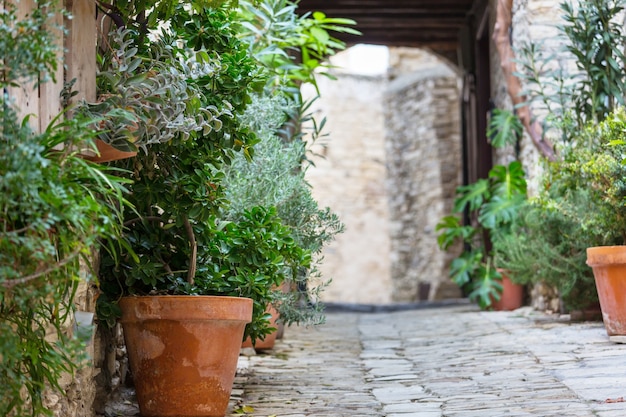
(609, 270)
(108, 153)
(270, 339)
(512, 296)
(183, 352)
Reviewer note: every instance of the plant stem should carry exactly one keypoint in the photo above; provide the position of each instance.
(13, 282)
(194, 250)
(138, 219)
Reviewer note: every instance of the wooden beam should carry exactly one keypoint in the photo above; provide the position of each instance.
(432, 24)
(50, 91)
(377, 4)
(26, 96)
(80, 57)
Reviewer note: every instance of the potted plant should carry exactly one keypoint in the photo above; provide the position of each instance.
(491, 206)
(570, 213)
(604, 173)
(177, 248)
(547, 247)
(551, 235)
(578, 214)
(276, 177)
(142, 100)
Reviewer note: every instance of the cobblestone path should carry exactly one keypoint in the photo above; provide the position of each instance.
(450, 361)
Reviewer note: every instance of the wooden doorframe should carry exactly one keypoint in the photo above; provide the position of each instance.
(475, 63)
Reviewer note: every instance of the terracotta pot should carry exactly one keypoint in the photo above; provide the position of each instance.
(609, 270)
(108, 153)
(270, 339)
(512, 296)
(183, 351)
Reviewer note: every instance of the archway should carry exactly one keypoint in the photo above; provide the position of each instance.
(390, 168)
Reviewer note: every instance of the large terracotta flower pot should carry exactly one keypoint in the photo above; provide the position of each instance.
(609, 270)
(183, 352)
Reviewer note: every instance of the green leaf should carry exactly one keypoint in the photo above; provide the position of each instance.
(504, 128)
(472, 196)
(500, 211)
(463, 267)
(487, 286)
(452, 231)
(508, 181)
(319, 16)
(320, 35)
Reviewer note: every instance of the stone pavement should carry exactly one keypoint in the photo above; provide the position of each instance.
(447, 361)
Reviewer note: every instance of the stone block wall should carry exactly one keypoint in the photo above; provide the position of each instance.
(349, 176)
(390, 171)
(87, 392)
(533, 21)
(79, 390)
(423, 170)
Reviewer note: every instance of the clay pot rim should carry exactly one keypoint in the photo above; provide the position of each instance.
(185, 307)
(606, 255)
(186, 297)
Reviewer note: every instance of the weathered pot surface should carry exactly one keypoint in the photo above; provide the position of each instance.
(609, 270)
(183, 352)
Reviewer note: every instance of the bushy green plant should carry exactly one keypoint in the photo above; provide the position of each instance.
(573, 96)
(54, 209)
(491, 206)
(55, 206)
(577, 86)
(244, 258)
(581, 204)
(275, 177)
(549, 246)
(277, 36)
(178, 191)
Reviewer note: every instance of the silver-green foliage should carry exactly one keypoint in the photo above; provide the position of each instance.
(276, 177)
(144, 100)
(580, 81)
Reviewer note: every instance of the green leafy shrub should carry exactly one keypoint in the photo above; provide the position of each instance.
(178, 192)
(571, 210)
(54, 209)
(491, 205)
(275, 177)
(581, 204)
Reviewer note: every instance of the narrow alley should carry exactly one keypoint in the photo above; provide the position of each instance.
(448, 361)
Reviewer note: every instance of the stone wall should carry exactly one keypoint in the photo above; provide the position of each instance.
(390, 170)
(424, 167)
(104, 369)
(533, 21)
(349, 176)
